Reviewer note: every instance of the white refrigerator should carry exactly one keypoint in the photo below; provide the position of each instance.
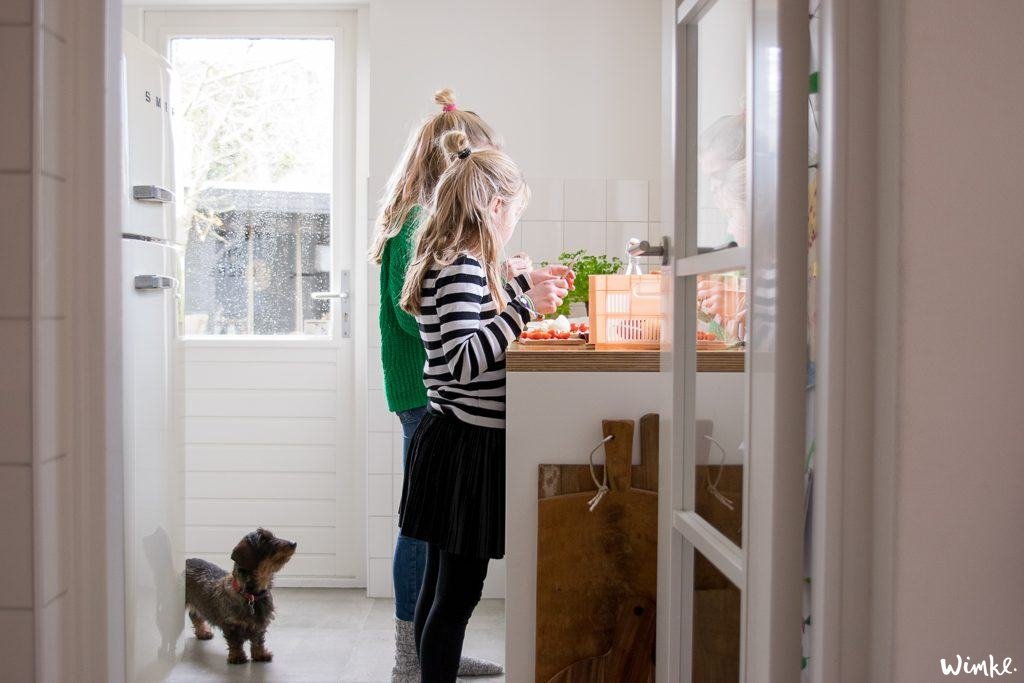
(152, 253)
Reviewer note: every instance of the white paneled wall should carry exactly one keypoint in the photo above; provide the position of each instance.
(265, 445)
(36, 457)
(564, 214)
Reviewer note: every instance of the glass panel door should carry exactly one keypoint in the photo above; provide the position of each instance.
(730, 566)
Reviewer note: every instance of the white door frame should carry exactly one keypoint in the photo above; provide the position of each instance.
(160, 25)
(768, 567)
(855, 417)
(98, 626)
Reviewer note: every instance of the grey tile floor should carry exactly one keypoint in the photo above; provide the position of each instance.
(323, 634)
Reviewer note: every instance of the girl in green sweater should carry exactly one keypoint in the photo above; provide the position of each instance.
(409, 189)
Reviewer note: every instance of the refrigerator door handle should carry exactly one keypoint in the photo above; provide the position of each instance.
(152, 193)
(150, 282)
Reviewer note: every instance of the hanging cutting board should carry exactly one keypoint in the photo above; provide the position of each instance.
(629, 658)
(592, 564)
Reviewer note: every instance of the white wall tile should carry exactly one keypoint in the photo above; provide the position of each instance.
(16, 254)
(378, 495)
(374, 369)
(627, 200)
(380, 541)
(379, 582)
(56, 105)
(16, 651)
(16, 104)
(52, 388)
(372, 316)
(16, 380)
(55, 16)
(51, 252)
(542, 240)
(374, 193)
(546, 199)
(16, 12)
(654, 200)
(585, 199)
(397, 453)
(588, 235)
(372, 282)
(396, 492)
(378, 453)
(619, 233)
(378, 418)
(515, 243)
(16, 530)
(53, 526)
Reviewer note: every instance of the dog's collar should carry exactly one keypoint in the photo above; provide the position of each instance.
(250, 597)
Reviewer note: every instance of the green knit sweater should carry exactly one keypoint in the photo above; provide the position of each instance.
(402, 350)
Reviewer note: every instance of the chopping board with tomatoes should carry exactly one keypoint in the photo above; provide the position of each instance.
(558, 331)
(594, 567)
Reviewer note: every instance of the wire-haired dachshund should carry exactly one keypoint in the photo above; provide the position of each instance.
(239, 603)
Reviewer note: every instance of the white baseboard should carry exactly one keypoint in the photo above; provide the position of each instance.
(317, 582)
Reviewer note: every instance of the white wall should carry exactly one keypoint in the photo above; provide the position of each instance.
(574, 88)
(38, 454)
(574, 85)
(959, 583)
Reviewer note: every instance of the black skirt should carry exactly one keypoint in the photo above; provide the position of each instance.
(453, 494)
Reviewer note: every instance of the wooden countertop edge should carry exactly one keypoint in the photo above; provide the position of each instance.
(520, 359)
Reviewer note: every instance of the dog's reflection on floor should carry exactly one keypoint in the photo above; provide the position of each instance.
(170, 592)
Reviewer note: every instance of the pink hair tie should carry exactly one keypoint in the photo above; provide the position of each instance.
(449, 107)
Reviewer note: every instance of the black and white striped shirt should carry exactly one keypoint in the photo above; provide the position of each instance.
(465, 339)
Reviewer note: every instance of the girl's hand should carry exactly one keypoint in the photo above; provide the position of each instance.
(711, 296)
(517, 264)
(547, 295)
(554, 271)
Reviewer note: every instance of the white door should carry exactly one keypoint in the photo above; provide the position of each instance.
(264, 116)
(730, 564)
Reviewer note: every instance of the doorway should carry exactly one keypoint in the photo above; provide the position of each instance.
(246, 141)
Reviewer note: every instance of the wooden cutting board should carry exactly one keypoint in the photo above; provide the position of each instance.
(629, 658)
(593, 565)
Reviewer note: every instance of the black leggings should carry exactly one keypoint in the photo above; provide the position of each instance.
(452, 585)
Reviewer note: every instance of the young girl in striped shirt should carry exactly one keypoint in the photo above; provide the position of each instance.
(454, 492)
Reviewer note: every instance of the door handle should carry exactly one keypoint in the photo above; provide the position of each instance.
(344, 308)
(639, 248)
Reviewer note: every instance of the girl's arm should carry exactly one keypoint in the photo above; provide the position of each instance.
(470, 344)
(518, 285)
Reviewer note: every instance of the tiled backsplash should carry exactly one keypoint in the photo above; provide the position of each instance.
(568, 214)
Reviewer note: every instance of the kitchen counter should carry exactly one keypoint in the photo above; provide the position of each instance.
(555, 401)
(521, 358)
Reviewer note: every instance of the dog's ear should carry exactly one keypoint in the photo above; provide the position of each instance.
(244, 555)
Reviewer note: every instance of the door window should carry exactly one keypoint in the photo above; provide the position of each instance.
(254, 135)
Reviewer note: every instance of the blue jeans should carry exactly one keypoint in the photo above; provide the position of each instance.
(410, 560)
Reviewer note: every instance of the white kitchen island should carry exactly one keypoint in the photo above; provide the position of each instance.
(556, 400)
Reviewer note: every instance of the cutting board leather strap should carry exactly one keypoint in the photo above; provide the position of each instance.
(618, 453)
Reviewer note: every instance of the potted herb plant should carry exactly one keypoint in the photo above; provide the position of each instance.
(584, 265)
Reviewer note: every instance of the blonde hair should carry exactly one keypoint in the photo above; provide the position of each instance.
(422, 163)
(460, 216)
